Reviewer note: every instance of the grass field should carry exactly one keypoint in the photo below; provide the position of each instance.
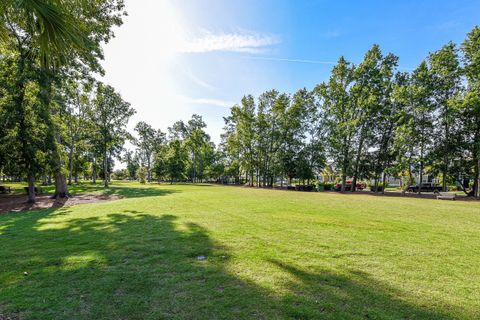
(269, 255)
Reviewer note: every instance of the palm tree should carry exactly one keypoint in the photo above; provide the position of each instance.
(52, 29)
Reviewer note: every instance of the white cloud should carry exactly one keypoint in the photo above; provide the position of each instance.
(331, 34)
(192, 77)
(206, 101)
(248, 42)
(292, 60)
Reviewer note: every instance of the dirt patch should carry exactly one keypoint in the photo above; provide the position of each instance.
(18, 202)
(9, 317)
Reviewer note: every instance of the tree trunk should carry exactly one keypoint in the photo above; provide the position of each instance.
(70, 166)
(61, 187)
(344, 182)
(375, 184)
(149, 170)
(31, 189)
(446, 145)
(344, 170)
(194, 168)
(105, 170)
(421, 170)
(476, 164)
(420, 178)
(94, 171)
(383, 182)
(357, 159)
(476, 177)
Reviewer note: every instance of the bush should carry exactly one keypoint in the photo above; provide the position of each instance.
(142, 175)
(119, 174)
(328, 186)
(304, 187)
(378, 189)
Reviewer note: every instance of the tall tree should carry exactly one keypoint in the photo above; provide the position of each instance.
(469, 104)
(110, 115)
(24, 118)
(77, 103)
(242, 120)
(370, 94)
(445, 69)
(149, 141)
(340, 115)
(195, 139)
(418, 120)
(176, 160)
(63, 38)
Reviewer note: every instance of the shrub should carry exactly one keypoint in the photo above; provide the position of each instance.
(142, 175)
(378, 189)
(328, 186)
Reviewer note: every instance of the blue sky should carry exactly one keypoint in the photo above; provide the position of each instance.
(174, 58)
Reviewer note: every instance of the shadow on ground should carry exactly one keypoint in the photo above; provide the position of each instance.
(82, 194)
(133, 265)
(125, 192)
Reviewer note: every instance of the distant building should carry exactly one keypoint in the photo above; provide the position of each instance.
(330, 175)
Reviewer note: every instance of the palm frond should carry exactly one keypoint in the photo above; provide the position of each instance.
(53, 28)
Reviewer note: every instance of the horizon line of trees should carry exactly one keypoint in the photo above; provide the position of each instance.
(366, 122)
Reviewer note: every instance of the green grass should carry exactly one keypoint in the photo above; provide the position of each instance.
(270, 255)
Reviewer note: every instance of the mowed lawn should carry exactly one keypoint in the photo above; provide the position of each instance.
(268, 255)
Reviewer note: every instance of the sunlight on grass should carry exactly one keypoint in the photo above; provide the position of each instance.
(75, 262)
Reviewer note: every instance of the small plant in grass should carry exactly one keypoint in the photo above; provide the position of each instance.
(142, 175)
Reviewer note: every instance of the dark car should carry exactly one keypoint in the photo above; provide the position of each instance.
(424, 187)
(348, 186)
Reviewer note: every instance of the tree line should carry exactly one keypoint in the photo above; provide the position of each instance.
(367, 121)
(55, 117)
(370, 120)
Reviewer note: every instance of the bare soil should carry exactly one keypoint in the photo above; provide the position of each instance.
(9, 317)
(18, 202)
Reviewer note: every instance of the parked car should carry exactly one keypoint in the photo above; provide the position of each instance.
(348, 186)
(304, 187)
(425, 187)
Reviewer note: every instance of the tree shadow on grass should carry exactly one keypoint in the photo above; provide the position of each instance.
(133, 265)
(346, 295)
(86, 194)
(126, 192)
